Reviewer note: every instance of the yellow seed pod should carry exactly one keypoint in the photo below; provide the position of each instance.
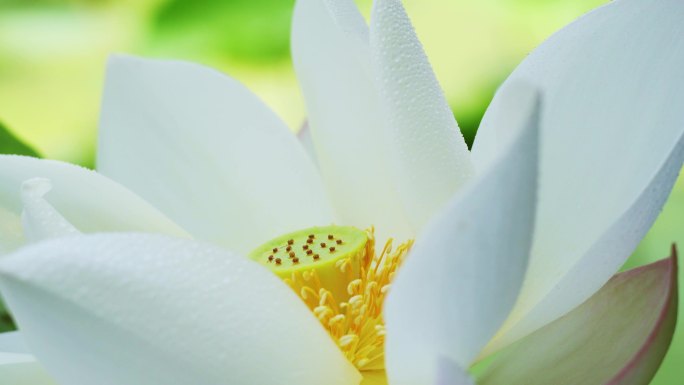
(335, 253)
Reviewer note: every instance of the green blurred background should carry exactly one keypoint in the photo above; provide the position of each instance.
(53, 53)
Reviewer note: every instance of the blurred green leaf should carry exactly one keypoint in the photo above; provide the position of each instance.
(6, 322)
(15, 4)
(469, 115)
(9, 144)
(468, 121)
(252, 30)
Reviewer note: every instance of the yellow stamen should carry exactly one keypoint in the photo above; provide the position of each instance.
(347, 301)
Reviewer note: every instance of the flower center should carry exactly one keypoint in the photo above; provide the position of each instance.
(337, 273)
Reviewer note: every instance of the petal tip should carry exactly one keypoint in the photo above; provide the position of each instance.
(664, 328)
(36, 187)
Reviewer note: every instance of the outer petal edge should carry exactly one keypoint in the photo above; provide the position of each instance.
(664, 330)
(617, 337)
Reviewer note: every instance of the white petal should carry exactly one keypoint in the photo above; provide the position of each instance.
(430, 158)
(304, 136)
(332, 61)
(611, 148)
(147, 309)
(205, 150)
(17, 365)
(11, 232)
(587, 275)
(41, 220)
(448, 373)
(462, 277)
(86, 199)
(13, 342)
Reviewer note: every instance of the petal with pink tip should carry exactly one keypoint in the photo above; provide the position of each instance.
(618, 337)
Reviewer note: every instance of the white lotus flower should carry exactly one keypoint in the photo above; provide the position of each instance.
(516, 241)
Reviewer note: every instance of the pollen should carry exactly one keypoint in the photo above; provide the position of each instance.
(344, 286)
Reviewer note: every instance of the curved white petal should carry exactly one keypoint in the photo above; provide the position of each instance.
(611, 148)
(587, 275)
(331, 57)
(86, 199)
(428, 153)
(388, 145)
(462, 277)
(41, 220)
(147, 309)
(17, 365)
(205, 150)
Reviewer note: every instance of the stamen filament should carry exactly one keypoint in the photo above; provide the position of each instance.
(356, 325)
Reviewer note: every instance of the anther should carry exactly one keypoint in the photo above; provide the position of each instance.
(345, 268)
